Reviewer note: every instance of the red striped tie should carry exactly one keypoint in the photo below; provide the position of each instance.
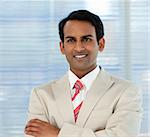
(77, 86)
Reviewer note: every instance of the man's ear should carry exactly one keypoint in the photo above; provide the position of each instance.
(61, 45)
(101, 44)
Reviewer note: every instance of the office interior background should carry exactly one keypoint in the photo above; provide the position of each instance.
(30, 56)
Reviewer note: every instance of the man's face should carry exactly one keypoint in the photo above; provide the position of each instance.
(80, 46)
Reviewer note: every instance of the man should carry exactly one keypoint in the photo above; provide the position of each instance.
(87, 101)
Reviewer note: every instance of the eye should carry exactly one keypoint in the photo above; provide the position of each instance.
(70, 40)
(86, 39)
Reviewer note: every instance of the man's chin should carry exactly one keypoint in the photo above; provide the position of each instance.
(81, 68)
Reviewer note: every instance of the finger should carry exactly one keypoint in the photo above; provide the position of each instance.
(33, 124)
(32, 129)
(35, 134)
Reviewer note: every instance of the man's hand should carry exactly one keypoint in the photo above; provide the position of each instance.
(38, 128)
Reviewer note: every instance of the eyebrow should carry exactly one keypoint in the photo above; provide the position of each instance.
(67, 37)
(87, 36)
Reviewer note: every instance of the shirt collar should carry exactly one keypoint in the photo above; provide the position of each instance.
(87, 80)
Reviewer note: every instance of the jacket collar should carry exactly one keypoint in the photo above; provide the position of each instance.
(61, 90)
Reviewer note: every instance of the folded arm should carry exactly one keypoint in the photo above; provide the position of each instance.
(124, 122)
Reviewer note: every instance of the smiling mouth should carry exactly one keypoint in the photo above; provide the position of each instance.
(80, 56)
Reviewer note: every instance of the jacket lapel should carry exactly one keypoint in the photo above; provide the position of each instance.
(61, 90)
(99, 87)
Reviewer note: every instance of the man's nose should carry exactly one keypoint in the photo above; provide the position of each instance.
(79, 46)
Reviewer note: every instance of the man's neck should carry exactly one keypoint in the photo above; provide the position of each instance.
(82, 73)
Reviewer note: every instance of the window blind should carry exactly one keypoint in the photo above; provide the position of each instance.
(30, 56)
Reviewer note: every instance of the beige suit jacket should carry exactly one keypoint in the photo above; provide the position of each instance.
(112, 108)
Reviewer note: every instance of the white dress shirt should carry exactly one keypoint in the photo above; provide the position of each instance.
(87, 81)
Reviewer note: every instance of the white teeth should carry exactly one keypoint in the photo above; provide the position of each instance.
(80, 56)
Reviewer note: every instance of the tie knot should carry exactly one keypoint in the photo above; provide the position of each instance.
(78, 85)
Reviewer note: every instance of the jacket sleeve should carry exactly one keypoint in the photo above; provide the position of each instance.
(36, 109)
(124, 122)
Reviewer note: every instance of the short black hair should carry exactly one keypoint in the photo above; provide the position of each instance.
(83, 15)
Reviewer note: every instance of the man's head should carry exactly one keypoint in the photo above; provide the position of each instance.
(83, 15)
(81, 36)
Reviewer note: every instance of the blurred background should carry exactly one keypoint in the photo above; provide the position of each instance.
(30, 56)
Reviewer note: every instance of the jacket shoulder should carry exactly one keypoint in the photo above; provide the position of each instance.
(47, 87)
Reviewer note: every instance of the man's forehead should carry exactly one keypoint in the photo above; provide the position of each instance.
(77, 23)
(76, 29)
